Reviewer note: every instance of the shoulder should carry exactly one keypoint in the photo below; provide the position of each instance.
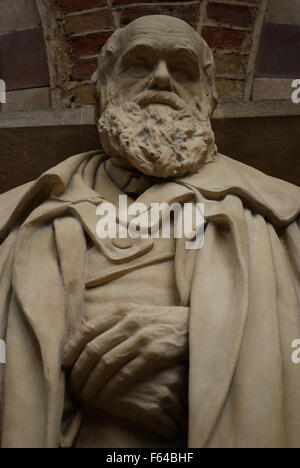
(20, 200)
(265, 194)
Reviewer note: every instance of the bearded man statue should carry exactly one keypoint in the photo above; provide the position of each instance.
(139, 342)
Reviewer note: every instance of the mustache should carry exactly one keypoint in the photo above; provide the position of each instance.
(160, 97)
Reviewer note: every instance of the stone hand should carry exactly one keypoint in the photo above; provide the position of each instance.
(125, 343)
(158, 403)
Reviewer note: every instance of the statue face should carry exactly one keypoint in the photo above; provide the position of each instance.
(155, 110)
(166, 63)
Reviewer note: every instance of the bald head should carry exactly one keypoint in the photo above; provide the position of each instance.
(163, 26)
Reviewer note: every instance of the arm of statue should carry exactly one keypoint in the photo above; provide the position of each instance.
(125, 355)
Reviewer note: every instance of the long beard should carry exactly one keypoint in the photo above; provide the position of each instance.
(157, 140)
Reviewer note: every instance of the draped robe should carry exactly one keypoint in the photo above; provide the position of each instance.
(242, 287)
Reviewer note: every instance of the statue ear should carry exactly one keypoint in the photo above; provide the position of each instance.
(208, 64)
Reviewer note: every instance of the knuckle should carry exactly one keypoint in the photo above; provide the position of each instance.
(125, 373)
(106, 360)
(153, 354)
(166, 397)
(144, 339)
(153, 409)
(132, 322)
(88, 328)
(91, 349)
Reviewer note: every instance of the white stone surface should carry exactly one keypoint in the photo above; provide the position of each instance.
(18, 14)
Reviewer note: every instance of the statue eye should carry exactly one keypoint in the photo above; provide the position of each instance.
(136, 66)
(184, 70)
(140, 62)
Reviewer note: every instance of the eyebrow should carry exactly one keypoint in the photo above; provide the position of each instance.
(186, 50)
(138, 45)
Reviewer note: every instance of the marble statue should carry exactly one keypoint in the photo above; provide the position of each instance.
(141, 342)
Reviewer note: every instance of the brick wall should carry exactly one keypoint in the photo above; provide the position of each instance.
(227, 25)
(251, 45)
(230, 28)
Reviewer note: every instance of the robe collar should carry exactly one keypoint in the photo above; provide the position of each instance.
(275, 199)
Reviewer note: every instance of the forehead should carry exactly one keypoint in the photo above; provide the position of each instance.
(162, 36)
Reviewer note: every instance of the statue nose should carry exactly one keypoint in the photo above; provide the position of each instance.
(161, 78)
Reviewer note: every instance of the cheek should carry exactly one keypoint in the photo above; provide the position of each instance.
(131, 85)
(189, 90)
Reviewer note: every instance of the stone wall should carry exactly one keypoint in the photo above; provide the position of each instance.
(255, 42)
(23, 58)
(229, 27)
(279, 51)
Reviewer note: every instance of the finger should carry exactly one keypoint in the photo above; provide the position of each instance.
(93, 352)
(151, 415)
(140, 368)
(146, 413)
(143, 394)
(178, 412)
(108, 366)
(170, 404)
(176, 379)
(125, 377)
(89, 331)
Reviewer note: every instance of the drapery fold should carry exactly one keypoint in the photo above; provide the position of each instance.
(244, 387)
(244, 298)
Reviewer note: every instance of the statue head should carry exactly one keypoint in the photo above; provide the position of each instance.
(156, 94)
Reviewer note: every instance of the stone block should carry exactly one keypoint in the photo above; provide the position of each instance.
(265, 89)
(18, 14)
(23, 59)
(230, 90)
(77, 5)
(27, 99)
(279, 51)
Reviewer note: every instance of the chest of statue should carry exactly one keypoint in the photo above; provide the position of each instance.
(147, 279)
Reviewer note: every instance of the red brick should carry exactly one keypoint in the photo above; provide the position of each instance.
(226, 38)
(134, 2)
(188, 13)
(77, 5)
(234, 15)
(91, 44)
(84, 69)
(89, 22)
(130, 2)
